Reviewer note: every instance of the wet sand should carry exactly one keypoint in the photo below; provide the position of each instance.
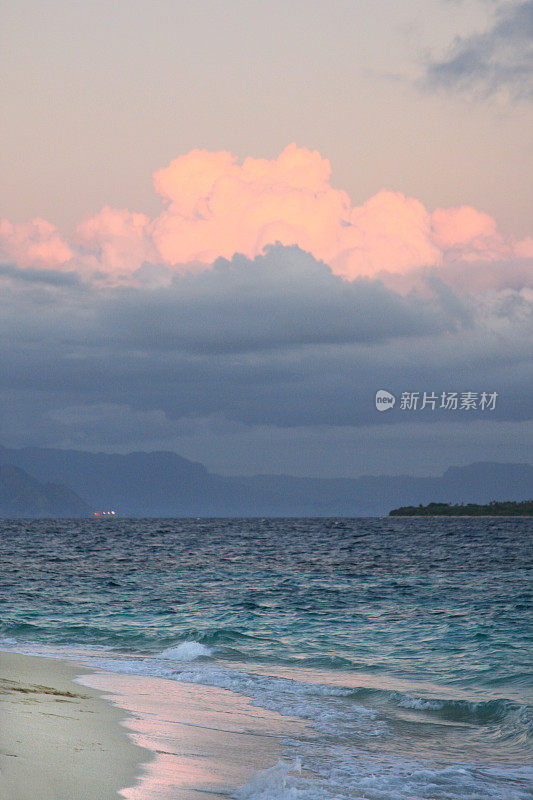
(208, 742)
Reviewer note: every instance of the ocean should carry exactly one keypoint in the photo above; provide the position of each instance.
(384, 658)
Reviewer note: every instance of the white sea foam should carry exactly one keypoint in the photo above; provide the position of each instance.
(331, 709)
(343, 775)
(337, 764)
(420, 704)
(272, 783)
(80, 652)
(186, 651)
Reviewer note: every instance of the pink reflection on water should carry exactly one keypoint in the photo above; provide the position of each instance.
(206, 741)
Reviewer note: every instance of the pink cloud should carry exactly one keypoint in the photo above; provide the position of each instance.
(217, 207)
(388, 232)
(214, 206)
(35, 243)
(115, 240)
(467, 234)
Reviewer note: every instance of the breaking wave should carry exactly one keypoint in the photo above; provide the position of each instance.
(186, 651)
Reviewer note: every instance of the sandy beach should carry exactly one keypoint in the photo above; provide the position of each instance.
(107, 735)
(59, 740)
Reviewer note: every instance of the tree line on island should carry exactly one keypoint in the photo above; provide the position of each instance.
(496, 508)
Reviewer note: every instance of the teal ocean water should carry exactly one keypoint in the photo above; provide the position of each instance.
(404, 644)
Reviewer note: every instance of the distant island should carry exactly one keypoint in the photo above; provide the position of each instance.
(506, 508)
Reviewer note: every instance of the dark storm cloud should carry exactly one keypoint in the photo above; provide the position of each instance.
(277, 341)
(285, 298)
(282, 299)
(500, 58)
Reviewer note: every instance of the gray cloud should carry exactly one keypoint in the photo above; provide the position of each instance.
(285, 298)
(278, 343)
(51, 277)
(500, 58)
(281, 299)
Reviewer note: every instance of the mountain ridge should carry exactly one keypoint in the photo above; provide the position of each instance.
(23, 496)
(163, 483)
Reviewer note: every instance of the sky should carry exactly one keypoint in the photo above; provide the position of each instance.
(225, 226)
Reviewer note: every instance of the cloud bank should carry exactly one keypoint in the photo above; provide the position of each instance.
(275, 340)
(194, 331)
(215, 207)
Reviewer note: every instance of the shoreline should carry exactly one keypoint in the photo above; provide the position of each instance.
(59, 739)
(209, 742)
(73, 732)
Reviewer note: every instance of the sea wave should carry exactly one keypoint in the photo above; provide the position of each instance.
(345, 778)
(474, 713)
(351, 744)
(351, 711)
(186, 651)
(275, 782)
